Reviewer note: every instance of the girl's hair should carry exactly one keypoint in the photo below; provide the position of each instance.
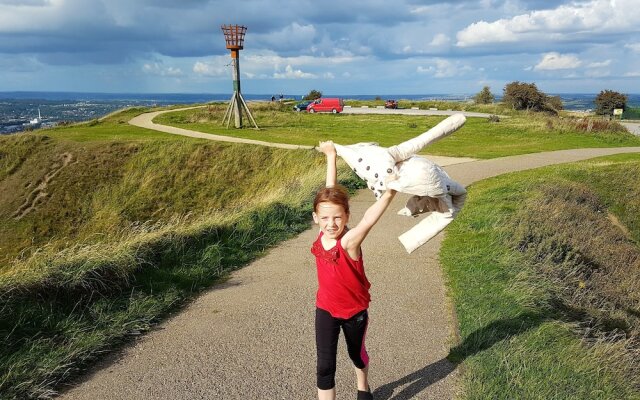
(336, 195)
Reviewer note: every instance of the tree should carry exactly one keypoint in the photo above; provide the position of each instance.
(524, 96)
(607, 100)
(484, 96)
(313, 94)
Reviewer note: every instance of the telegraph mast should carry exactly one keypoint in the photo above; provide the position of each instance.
(234, 36)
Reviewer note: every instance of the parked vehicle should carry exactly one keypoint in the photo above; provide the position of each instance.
(391, 104)
(332, 105)
(302, 106)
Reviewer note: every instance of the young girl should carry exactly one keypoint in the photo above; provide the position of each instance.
(343, 289)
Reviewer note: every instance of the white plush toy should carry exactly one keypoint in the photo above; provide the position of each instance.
(399, 168)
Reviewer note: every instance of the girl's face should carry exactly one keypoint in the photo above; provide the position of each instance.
(331, 218)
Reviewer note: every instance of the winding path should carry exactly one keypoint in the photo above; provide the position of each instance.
(146, 121)
(253, 338)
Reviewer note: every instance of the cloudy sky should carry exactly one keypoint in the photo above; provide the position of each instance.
(338, 47)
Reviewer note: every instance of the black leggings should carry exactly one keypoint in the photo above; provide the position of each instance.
(327, 332)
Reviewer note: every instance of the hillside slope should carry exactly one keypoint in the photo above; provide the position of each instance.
(106, 228)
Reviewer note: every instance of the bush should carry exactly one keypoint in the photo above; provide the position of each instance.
(494, 118)
(313, 95)
(526, 96)
(484, 96)
(607, 100)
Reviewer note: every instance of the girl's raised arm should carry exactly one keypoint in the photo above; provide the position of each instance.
(352, 240)
(329, 150)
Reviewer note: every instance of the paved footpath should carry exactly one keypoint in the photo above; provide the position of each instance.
(253, 338)
(633, 127)
(146, 121)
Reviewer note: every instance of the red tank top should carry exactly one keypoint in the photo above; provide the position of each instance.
(343, 288)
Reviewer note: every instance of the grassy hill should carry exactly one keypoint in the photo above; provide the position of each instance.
(105, 227)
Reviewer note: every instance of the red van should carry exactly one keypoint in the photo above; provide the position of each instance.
(333, 105)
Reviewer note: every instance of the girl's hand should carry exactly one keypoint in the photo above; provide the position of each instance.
(327, 147)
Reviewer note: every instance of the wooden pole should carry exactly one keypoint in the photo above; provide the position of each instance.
(235, 61)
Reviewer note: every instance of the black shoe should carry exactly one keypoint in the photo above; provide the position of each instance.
(362, 395)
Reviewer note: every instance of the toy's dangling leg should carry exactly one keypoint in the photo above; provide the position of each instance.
(412, 146)
(425, 230)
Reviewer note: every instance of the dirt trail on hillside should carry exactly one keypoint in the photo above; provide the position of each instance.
(253, 337)
(39, 193)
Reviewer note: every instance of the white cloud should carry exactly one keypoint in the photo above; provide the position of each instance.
(210, 69)
(633, 47)
(484, 32)
(425, 70)
(442, 68)
(290, 73)
(632, 74)
(600, 64)
(440, 40)
(598, 73)
(421, 10)
(553, 61)
(158, 69)
(271, 59)
(575, 18)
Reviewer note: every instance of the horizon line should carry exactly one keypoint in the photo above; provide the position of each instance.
(265, 94)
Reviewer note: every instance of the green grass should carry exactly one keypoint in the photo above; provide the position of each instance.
(132, 223)
(528, 327)
(479, 138)
(130, 229)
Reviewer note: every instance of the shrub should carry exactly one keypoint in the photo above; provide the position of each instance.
(484, 96)
(313, 95)
(494, 118)
(607, 100)
(523, 96)
(526, 96)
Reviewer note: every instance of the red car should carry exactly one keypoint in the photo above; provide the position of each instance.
(391, 104)
(332, 105)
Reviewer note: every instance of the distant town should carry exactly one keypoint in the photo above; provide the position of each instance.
(20, 115)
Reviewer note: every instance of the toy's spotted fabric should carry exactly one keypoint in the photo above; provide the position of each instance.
(370, 162)
(400, 169)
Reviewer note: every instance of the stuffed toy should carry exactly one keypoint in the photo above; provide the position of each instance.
(399, 168)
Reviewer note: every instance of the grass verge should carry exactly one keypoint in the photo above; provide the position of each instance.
(543, 310)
